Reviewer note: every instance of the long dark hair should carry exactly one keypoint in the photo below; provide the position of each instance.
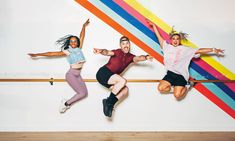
(64, 41)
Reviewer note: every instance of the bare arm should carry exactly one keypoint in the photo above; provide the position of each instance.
(48, 54)
(142, 58)
(160, 39)
(82, 34)
(104, 52)
(216, 51)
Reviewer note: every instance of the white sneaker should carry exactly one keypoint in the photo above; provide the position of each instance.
(63, 108)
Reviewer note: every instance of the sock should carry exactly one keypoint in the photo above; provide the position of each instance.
(66, 104)
(190, 85)
(187, 86)
(172, 90)
(112, 99)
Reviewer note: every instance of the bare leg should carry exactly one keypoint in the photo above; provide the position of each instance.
(123, 93)
(180, 92)
(118, 83)
(164, 86)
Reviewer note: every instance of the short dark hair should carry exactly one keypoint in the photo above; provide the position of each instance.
(124, 38)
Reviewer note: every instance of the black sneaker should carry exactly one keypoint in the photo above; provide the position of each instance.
(107, 108)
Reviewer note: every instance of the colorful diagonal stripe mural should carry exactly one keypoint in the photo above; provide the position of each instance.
(128, 18)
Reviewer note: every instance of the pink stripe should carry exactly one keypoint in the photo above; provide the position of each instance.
(141, 18)
(165, 36)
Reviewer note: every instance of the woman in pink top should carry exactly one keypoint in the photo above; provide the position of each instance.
(109, 75)
(176, 60)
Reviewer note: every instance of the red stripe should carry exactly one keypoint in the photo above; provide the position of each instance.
(207, 93)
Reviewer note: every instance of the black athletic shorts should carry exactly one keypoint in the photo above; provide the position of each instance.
(175, 79)
(103, 76)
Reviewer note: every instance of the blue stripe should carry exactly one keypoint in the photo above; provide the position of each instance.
(219, 93)
(132, 20)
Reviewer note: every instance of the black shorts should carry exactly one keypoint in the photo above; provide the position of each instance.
(175, 79)
(103, 76)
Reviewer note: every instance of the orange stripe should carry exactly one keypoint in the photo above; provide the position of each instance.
(119, 28)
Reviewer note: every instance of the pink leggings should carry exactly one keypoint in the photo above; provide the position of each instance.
(74, 79)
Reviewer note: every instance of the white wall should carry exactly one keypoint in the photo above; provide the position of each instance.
(34, 26)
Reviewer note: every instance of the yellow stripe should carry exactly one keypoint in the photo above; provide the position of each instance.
(165, 27)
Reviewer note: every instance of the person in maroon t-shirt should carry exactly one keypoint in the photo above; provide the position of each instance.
(109, 74)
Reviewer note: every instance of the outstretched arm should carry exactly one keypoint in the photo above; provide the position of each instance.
(142, 58)
(48, 54)
(216, 51)
(160, 39)
(104, 52)
(82, 34)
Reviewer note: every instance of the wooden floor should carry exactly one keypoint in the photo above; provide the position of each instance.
(117, 136)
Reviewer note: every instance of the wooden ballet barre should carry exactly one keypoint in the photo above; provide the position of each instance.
(51, 80)
(63, 80)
